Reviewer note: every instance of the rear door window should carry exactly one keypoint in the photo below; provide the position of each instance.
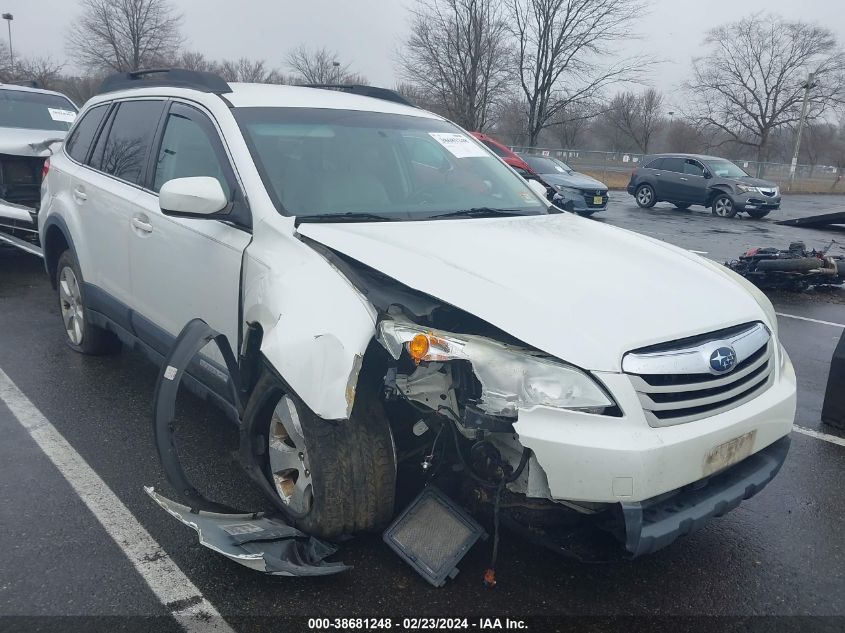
(79, 143)
(655, 164)
(673, 164)
(123, 153)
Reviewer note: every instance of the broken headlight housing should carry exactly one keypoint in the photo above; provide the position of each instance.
(748, 189)
(511, 378)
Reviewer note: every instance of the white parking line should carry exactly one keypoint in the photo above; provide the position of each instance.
(833, 439)
(170, 585)
(801, 318)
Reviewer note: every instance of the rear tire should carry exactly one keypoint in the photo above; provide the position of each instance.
(723, 206)
(757, 214)
(81, 334)
(645, 196)
(333, 478)
(683, 206)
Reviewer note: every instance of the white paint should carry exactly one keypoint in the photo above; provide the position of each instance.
(162, 575)
(833, 439)
(801, 318)
(458, 145)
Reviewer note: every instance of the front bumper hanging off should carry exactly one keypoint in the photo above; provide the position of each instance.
(653, 524)
(258, 541)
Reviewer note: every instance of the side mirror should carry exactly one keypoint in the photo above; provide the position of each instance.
(707, 174)
(198, 196)
(538, 188)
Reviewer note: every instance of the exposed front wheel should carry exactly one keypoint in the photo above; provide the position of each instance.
(683, 206)
(758, 213)
(645, 196)
(723, 206)
(332, 478)
(81, 335)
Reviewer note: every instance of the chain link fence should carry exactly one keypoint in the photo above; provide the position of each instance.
(614, 169)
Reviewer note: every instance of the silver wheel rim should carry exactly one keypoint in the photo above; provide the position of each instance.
(644, 196)
(70, 298)
(288, 455)
(723, 206)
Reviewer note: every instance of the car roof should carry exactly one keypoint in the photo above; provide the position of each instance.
(679, 155)
(254, 95)
(28, 89)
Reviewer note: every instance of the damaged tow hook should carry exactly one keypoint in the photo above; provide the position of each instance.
(262, 542)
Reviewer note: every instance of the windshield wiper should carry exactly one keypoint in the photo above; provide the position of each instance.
(352, 216)
(480, 212)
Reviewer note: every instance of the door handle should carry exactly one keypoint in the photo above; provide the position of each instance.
(79, 194)
(144, 227)
(682, 178)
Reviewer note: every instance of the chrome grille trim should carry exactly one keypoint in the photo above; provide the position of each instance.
(685, 393)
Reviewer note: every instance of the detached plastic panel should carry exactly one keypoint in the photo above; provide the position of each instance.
(653, 524)
(432, 535)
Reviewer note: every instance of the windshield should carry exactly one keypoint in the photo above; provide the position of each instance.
(546, 165)
(35, 110)
(322, 162)
(726, 169)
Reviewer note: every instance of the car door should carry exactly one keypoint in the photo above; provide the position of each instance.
(669, 183)
(693, 185)
(106, 194)
(184, 268)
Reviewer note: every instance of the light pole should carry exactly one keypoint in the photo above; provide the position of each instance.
(9, 17)
(336, 66)
(794, 164)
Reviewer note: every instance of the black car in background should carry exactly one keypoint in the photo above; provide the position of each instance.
(709, 181)
(572, 191)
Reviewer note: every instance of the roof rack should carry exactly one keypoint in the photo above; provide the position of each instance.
(174, 77)
(365, 91)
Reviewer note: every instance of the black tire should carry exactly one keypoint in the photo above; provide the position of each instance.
(585, 214)
(645, 196)
(352, 463)
(758, 214)
(791, 264)
(723, 206)
(81, 334)
(683, 206)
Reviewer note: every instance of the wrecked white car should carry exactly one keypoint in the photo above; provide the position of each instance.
(31, 120)
(400, 301)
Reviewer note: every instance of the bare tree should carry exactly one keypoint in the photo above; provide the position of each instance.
(752, 82)
(124, 35)
(319, 66)
(249, 70)
(570, 123)
(636, 116)
(457, 55)
(560, 46)
(43, 72)
(194, 60)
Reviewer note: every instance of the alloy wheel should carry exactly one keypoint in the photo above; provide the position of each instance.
(723, 206)
(644, 196)
(288, 456)
(70, 298)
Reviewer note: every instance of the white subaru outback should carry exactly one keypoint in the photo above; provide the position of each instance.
(396, 293)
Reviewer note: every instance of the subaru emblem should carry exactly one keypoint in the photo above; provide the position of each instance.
(722, 360)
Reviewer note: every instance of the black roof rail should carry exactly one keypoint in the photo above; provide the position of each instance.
(365, 91)
(174, 77)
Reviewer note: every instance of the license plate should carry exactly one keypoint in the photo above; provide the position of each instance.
(729, 453)
(598, 200)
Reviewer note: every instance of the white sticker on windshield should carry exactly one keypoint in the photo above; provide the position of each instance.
(458, 145)
(66, 116)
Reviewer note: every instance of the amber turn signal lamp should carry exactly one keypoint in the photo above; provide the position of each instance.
(418, 347)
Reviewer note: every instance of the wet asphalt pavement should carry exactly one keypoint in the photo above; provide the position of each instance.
(781, 553)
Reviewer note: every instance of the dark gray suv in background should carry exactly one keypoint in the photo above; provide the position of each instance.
(688, 179)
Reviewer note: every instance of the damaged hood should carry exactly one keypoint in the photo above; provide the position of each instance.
(579, 290)
(23, 142)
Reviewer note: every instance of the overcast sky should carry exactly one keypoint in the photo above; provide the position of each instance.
(367, 32)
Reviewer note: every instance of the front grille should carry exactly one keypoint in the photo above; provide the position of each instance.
(771, 193)
(692, 392)
(591, 194)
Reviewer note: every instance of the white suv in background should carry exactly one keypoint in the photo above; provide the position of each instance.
(385, 277)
